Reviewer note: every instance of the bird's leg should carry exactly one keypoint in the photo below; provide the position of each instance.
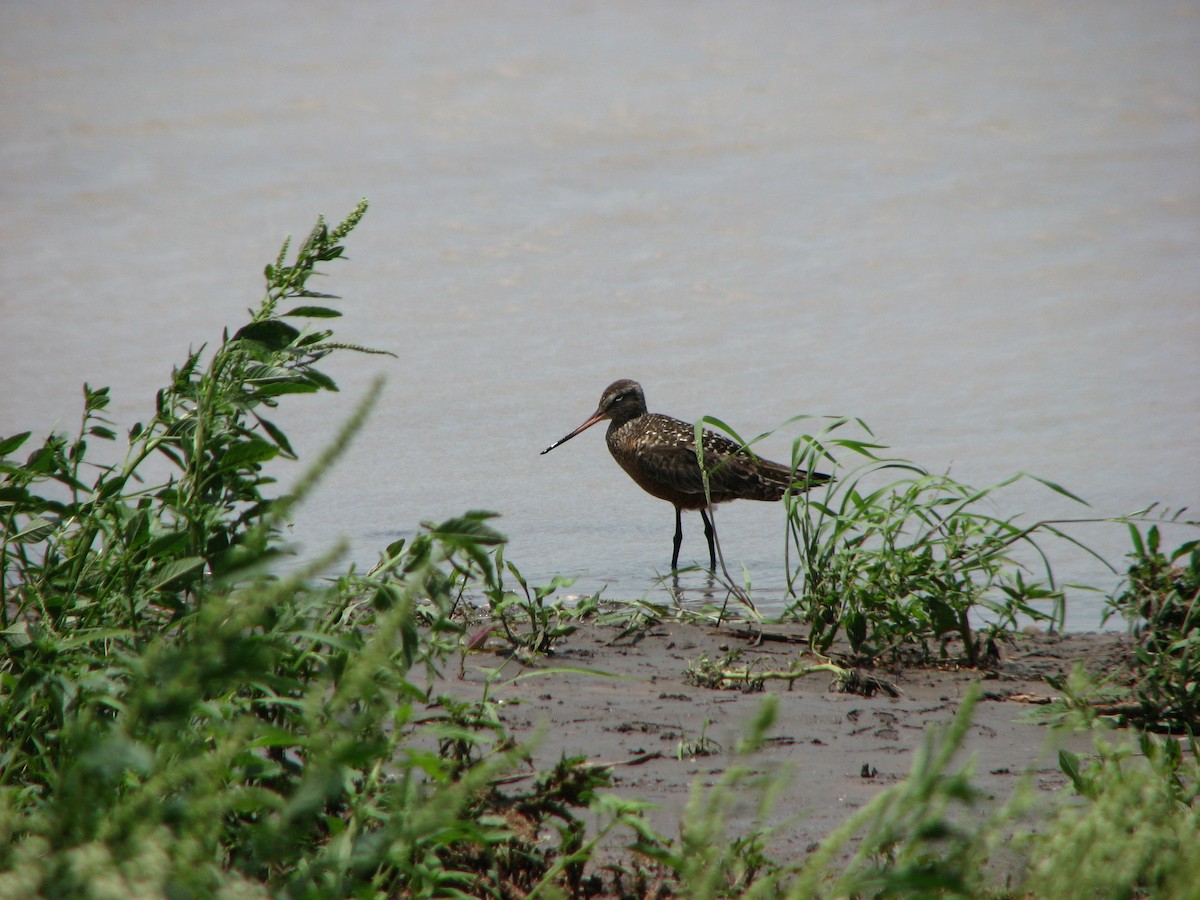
(678, 538)
(708, 534)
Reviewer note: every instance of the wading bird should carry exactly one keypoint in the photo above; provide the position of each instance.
(659, 453)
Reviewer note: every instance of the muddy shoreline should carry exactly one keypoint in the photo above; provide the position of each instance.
(837, 750)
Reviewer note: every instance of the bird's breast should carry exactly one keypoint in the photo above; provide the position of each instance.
(658, 453)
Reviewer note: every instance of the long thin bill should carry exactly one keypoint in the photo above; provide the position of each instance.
(584, 427)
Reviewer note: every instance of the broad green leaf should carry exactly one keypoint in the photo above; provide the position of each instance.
(467, 528)
(271, 334)
(277, 436)
(1069, 763)
(37, 529)
(321, 380)
(248, 452)
(13, 442)
(165, 545)
(279, 388)
(314, 312)
(176, 569)
(1184, 549)
(1139, 548)
(13, 494)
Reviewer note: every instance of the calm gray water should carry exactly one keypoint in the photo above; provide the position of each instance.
(976, 226)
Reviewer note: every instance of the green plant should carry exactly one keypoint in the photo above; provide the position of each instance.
(909, 562)
(75, 530)
(1161, 599)
(529, 619)
(1127, 825)
(703, 745)
(178, 719)
(100, 557)
(1136, 834)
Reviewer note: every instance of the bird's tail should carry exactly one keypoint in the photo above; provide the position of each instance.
(798, 480)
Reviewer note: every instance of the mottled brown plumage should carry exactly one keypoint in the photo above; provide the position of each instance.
(659, 453)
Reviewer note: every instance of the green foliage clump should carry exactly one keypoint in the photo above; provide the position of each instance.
(1161, 598)
(1136, 834)
(177, 720)
(907, 563)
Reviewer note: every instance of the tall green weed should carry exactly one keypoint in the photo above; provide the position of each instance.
(176, 719)
(917, 561)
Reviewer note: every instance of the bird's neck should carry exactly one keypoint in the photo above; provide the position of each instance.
(623, 416)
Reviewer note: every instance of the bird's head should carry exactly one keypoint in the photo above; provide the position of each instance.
(621, 401)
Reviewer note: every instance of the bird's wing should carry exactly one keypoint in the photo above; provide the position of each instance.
(675, 465)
